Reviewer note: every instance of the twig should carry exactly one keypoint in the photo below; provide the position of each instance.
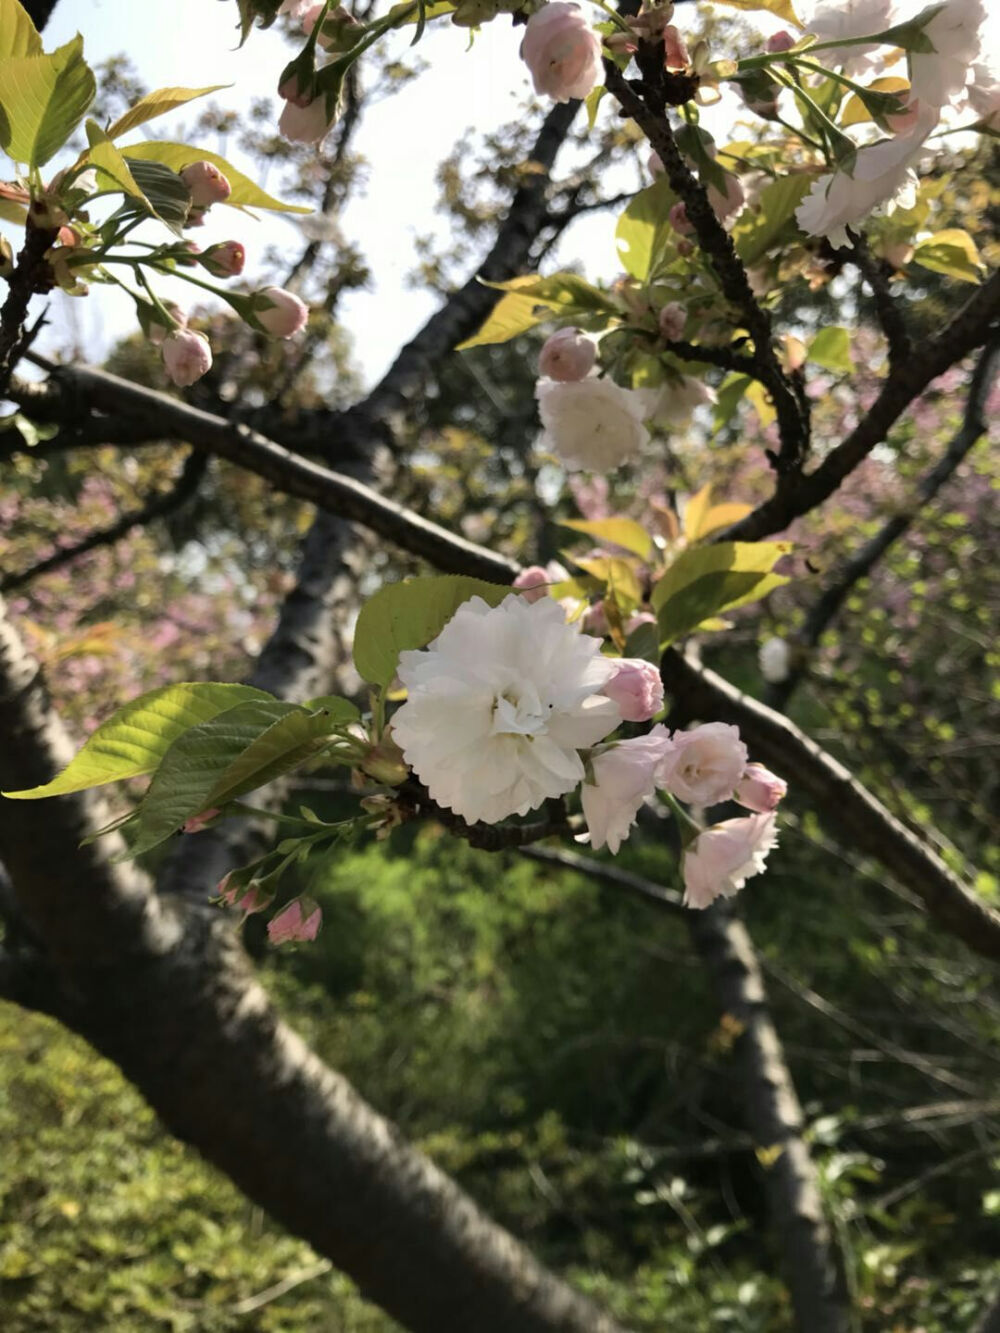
(717, 245)
(889, 314)
(279, 1289)
(195, 466)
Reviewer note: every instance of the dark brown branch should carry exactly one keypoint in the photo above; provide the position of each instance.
(183, 489)
(717, 245)
(795, 496)
(31, 275)
(200, 1040)
(890, 317)
(864, 560)
(872, 829)
(726, 358)
(168, 418)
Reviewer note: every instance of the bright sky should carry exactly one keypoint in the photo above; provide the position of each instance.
(193, 43)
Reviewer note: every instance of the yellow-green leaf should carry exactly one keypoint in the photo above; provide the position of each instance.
(529, 299)
(623, 532)
(831, 349)
(761, 226)
(18, 35)
(644, 228)
(619, 576)
(107, 161)
(410, 614)
(951, 252)
(177, 156)
(135, 739)
(856, 113)
(707, 580)
(42, 100)
(782, 8)
(158, 104)
(512, 314)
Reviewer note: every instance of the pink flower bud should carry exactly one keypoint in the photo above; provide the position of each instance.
(636, 688)
(291, 90)
(186, 356)
(675, 52)
(779, 41)
(284, 316)
(197, 822)
(672, 319)
(306, 123)
(567, 355)
(722, 858)
(760, 789)
(638, 620)
(225, 260)
(705, 764)
(532, 583)
(562, 52)
(298, 921)
(684, 247)
(207, 184)
(678, 218)
(624, 775)
(595, 621)
(654, 165)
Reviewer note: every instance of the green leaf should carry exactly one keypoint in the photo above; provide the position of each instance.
(177, 156)
(340, 712)
(624, 532)
(410, 614)
(158, 104)
(105, 158)
(782, 8)
(707, 580)
(135, 739)
(196, 763)
(162, 192)
(18, 35)
(530, 299)
(42, 100)
(512, 314)
(762, 226)
(728, 397)
(831, 349)
(951, 252)
(644, 227)
(288, 742)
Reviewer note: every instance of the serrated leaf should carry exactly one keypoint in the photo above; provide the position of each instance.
(728, 396)
(194, 764)
(158, 104)
(42, 100)
(134, 740)
(831, 349)
(288, 742)
(530, 299)
(623, 532)
(758, 398)
(695, 510)
(619, 576)
(512, 314)
(707, 580)
(105, 158)
(761, 226)
(177, 156)
(162, 192)
(644, 228)
(18, 35)
(340, 712)
(409, 615)
(952, 252)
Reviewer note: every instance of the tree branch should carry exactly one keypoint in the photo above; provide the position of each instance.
(169, 418)
(699, 692)
(159, 506)
(795, 496)
(717, 245)
(864, 560)
(890, 316)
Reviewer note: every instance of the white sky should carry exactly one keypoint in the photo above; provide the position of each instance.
(193, 43)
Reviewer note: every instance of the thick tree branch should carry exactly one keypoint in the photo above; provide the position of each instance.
(795, 496)
(874, 830)
(164, 991)
(169, 418)
(864, 560)
(159, 506)
(717, 245)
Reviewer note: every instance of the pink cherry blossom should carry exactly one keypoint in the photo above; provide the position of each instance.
(760, 789)
(562, 52)
(187, 356)
(567, 355)
(624, 776)
(636, 688)
(722, 858)
(704, 765)
(206, 183)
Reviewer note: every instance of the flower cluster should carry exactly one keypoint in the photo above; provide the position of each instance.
(512, 706)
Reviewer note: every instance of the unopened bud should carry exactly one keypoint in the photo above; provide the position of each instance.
(206, 183)
(673, 318)
(675, 52)
(567, 355)
(224, 260)
(779, 41)
(187, 356)
(385, 763)
(280, 313)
